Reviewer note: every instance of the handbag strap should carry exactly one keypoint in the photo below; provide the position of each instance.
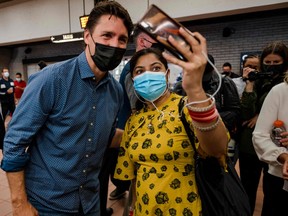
(188, 130)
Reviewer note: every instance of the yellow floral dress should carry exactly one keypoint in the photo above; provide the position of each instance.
(156, 151)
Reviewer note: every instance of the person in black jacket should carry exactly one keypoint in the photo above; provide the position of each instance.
(2, 128)
(227, 102)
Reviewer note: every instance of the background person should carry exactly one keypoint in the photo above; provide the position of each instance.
(274, 107)
(227, 70)
(20, 85)
(155, 149)
(250, 63)
(7, 93)
(54, 147)
(274, 59)
(227, 103)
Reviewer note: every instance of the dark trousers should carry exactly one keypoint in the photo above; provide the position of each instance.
(250, 173)
(107, 170)
(275, 198)
(8, 108)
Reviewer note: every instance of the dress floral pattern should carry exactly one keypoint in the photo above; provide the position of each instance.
(156, 151)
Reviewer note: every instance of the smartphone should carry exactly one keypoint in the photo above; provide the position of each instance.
(159, 26)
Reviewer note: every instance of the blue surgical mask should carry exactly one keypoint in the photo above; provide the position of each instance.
(150, 85)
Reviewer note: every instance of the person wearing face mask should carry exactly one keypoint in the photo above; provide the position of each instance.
(274, 60)
(66, 119)
(142, 41)
(155, 152)
(2, 128)
(7, 89)
(19, 87)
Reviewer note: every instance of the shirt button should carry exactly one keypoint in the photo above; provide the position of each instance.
(81, 186)
(84, 171)
(89, 139)
(87, 156)
(91, 123)
(94, 107)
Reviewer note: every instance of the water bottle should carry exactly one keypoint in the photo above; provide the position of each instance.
(131, 211)
(278, 128)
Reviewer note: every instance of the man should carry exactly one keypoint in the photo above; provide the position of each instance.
(142, 41)
(2, 128)
(57, 137)
(19, 87)
(7, 93)
(227, 70)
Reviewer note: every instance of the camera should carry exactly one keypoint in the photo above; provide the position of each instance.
(255, 75)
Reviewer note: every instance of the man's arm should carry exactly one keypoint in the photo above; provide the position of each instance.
(20, 203)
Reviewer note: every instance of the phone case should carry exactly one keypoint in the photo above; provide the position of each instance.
(159, 26)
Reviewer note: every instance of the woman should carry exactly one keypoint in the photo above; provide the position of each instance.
(274, 107)
(155, 150)
(249, 164)
(273, 63)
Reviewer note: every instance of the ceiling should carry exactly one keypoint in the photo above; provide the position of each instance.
(7, 3)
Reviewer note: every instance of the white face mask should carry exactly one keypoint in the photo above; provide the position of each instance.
(6, 74)
(18, 79)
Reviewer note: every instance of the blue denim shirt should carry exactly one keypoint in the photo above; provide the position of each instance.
(66, 120)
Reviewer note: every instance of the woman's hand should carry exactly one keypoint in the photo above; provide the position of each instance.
(246, 71)
(284, 141)
(194, 67)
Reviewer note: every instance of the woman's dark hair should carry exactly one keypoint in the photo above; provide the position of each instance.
(249, 56)
(276, 47)
(143, 52)
(111, 8)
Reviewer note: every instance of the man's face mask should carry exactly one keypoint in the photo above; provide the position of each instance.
(276, 69)
(107, 57)
(6, 74)
(18, 79)
(150, 85)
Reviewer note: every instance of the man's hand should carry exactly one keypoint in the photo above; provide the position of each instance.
(24, 209)
(10, 90)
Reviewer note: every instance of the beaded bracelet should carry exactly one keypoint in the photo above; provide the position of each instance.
(202, 109)
(208, 128)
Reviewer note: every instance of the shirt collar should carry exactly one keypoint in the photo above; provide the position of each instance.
(85, 70)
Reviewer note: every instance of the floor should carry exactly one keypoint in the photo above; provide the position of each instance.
(117, 205)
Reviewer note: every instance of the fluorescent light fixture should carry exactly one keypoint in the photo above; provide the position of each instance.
(71, 37)
(83, 21)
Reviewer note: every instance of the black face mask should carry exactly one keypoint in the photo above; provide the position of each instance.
(107, 57)
(276, 69)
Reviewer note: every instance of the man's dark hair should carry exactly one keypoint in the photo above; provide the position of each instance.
(109, 8)
(227, 64)
(42, 64)
(18, 73)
